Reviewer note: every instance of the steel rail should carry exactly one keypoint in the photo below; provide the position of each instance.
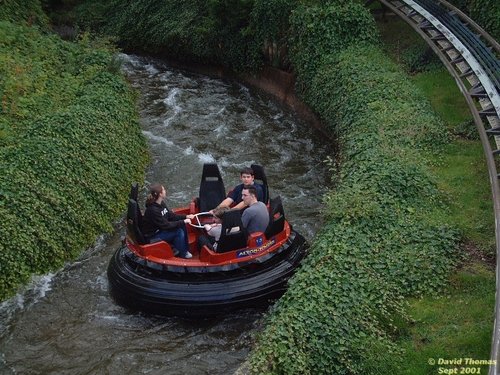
(467, 20)
(464, 57)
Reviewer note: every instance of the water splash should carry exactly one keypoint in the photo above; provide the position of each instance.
(157, 138)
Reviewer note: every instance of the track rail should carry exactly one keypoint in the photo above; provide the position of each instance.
(472, 58)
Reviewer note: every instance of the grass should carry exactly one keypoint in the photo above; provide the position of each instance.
(463, 177)
(398, 42)
(458, 323)
(462, 163)
(444, 95)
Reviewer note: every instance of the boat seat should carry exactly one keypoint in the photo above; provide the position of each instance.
(276, 218)
(212, 190)
(133, 226)
(233, 235)
(261, 179)
(134, 193)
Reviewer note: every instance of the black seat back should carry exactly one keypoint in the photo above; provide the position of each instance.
(276, 217)
(212, 190)
(134, 193)
(261, 178)
(133, 227)
(233, 235)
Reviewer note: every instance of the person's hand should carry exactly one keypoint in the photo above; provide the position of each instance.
(187, 221)
(211, 211)
(207, 227)
(189, 216)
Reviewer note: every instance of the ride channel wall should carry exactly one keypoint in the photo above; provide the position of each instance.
(472, 57)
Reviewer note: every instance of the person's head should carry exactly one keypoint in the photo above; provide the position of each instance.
(218, 212)
(249, 194)
(156, 191)
(247, 176)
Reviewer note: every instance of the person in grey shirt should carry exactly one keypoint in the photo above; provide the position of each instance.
(255, 218)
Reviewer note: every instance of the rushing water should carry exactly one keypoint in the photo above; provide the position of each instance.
(66, 323)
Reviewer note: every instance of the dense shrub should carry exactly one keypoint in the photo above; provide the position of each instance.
(70, 147)
(216, 31)
(420, 58)
(270, 20)
(318, 31)
(378, 246)
(23, 11)
(486, 13)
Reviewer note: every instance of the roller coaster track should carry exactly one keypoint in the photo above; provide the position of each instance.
(472, 58)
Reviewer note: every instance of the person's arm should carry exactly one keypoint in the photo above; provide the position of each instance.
(168, 225)
(245, 218)
(239, 206)
(215, 231)
(162, 222)
(226, 202)
(172, 216)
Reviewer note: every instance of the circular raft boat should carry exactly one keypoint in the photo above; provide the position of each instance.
(245, 271)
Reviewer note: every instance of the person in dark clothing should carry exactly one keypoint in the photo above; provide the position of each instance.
(161, 223)
(234, 198)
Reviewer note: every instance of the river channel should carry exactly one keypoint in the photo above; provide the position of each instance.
(66, 322)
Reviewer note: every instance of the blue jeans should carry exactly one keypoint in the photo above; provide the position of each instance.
(177, 237)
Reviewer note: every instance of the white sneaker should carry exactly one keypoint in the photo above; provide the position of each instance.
(188, 255)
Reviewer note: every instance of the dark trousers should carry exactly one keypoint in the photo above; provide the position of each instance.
(177, 237)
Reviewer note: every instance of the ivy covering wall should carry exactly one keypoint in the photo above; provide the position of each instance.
(70, 146)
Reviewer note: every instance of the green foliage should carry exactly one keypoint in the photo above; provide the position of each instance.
(216, 31)
(91, 14)
(72, 148)
(420, 58)
(457, 324)
(345, 305)
(23, 11)
(319, 31)
(406, 46)
(486, 13)
(270, 19)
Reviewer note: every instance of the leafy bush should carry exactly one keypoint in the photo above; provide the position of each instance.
(420, 58)
(319, 31)
(70, 149)
(484, 12)
(270, 20)
(467, 130)
(343, 306)
(216, 31)
(23, 11)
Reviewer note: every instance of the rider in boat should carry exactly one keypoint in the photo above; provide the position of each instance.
(160, 223)
(234, 197)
